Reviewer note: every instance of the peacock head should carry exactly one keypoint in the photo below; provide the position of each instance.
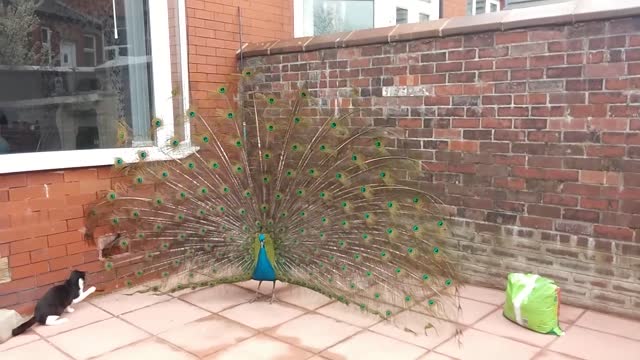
(261, 237)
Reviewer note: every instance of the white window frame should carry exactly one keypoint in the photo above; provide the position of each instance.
(163, 106)
(47, 45)
(487, 6)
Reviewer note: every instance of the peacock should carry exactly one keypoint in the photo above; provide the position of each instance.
(283, 188)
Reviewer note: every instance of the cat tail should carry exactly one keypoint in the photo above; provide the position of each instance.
(22, 328)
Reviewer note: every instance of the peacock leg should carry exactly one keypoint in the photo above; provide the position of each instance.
(273, 294)
(258, 294)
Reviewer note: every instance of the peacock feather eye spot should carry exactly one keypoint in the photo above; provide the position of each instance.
(176, 142)
(416, 200)
(142, 155)
(368, 273)
(302, 231)
(111, 196)
(352, 286)
(341, 243)
(165, 274)
(303, 94)
(356, 257)
(343, 268)
(203, 231)
(222, 90)
(119, 161)
(415, 228)
(448, 282)
(183, 195)
(365, 236)
(323, 147)
(205, 139)
(339, 176)
(407, 298)
(270, 127)
(388, 313)
(354, 157)
(264, 208)
(247, 194)
(323, 219)
(247, 73)
(330, 279)
(191, 165)
(332, 257)
(243, 211)
(440, 223)
(376, 295)
(180, 217)
(398, 270)
(436, 250)
(300, 192)
(289, 173)
(383, 174)
(312, 172)
(363, 189)
(124, 244)
(225, 190)
(221, 208)
(383, 254)
(267, 156)
(334, 125)
(283, 214)
(378, 143)
(410, 250)
(215, 165)
(165, 174)
(297, 119)
(192, 114)
(182, 237)
(238, 143)
(135, 214)
(157, 123)
(295, 147)
(108, 266)
(230, 115)
(425, 277)
(115, 221)
(431, 302)
(165, 246)
(139, 273)
(128, 283)
(344, 204)
(202, 212)
(239, 169)
(323, 195)
(389, 231)
(278, 196)
(158, 227)
(390, 204)
(271, 100)
(302, 213)
(204, 191)
(363, 307)
(322, 235)
(344, 222)
(265, 179)
(367, 216)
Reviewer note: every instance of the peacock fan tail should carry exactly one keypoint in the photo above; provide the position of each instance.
(281, 190)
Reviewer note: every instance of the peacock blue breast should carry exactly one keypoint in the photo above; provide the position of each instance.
(263, 271)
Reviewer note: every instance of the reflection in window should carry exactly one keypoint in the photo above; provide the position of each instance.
(402, 16)
(424, 17)
(76, 67)
(329, 16)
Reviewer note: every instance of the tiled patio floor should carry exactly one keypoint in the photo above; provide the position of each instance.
(219, 323)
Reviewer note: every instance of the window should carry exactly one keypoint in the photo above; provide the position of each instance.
(424, 17)
(89, 50)
(484, 6)
(329, 16)
(97, 64)
(402, 16)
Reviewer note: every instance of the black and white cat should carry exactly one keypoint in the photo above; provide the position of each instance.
(57, 300)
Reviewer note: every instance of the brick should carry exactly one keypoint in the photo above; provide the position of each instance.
(581, 215)
(64, 238)
(612, 232)
(510, 183)
(78, 247)
(8, 181)
(573, 227)
(28, 192)
(44, 177)
(22, 246)
(536, 222)
(29, 270)
(509, 135)
(52, 277)
(607, 98)
(560, 200)
(66, 262)
(544, 211)
(605, 151)
(511, 63)
(464, 146)
(564, 72)
(19, 260)
(511, 37)
(599, 204)
(526, 74)
(48, 253)
(599, 110)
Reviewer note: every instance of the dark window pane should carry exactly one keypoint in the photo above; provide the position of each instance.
(402, 16)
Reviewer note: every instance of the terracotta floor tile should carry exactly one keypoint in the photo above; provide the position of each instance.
(164, 316)
(569, 314)
(84, 314)
(497, 324)
(220, 297)
(97, 338)
(207, 335)
(262, 315)
(426, 338)
(265, 288)
(34, 350)
(491, 296)
(350, 314)
(120, 303)
(550, 355)
(471, 312)
(27, 337)
(610, 324)
(148, 349)
(435, 356)
(303, 297)
(371, 346)
(477, 345)
(261, 347)
(594, 345)
(313, 332)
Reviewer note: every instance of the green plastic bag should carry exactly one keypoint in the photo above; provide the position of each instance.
(533, 302)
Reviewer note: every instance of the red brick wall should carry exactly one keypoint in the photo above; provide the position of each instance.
(531, 135)
(41, 212)
(451, 8)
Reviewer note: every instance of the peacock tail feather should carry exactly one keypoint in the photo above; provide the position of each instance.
(331, 196)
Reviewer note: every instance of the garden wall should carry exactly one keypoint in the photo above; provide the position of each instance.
(527, 121)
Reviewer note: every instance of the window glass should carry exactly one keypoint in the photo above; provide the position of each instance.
(77, 69)
(424, 17)
(402, 16)
(329, 16)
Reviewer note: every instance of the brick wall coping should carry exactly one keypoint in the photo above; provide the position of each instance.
(554, 14)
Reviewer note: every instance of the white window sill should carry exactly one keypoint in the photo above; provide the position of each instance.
(13, 163)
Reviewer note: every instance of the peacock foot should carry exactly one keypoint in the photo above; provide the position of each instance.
(273, 299)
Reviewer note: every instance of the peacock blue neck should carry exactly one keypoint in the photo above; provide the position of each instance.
(264, 270)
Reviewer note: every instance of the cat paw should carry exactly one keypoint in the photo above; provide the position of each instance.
(70, 309)
(91, 290)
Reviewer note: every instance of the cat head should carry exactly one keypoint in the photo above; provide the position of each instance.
(76, 275)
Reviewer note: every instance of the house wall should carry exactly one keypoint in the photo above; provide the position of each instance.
(531, 135)
(42, 213)
(453, 8)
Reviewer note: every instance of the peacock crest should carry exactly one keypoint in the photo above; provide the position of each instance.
(281, 184)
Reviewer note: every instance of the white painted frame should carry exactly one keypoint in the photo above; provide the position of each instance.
(163, 106)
